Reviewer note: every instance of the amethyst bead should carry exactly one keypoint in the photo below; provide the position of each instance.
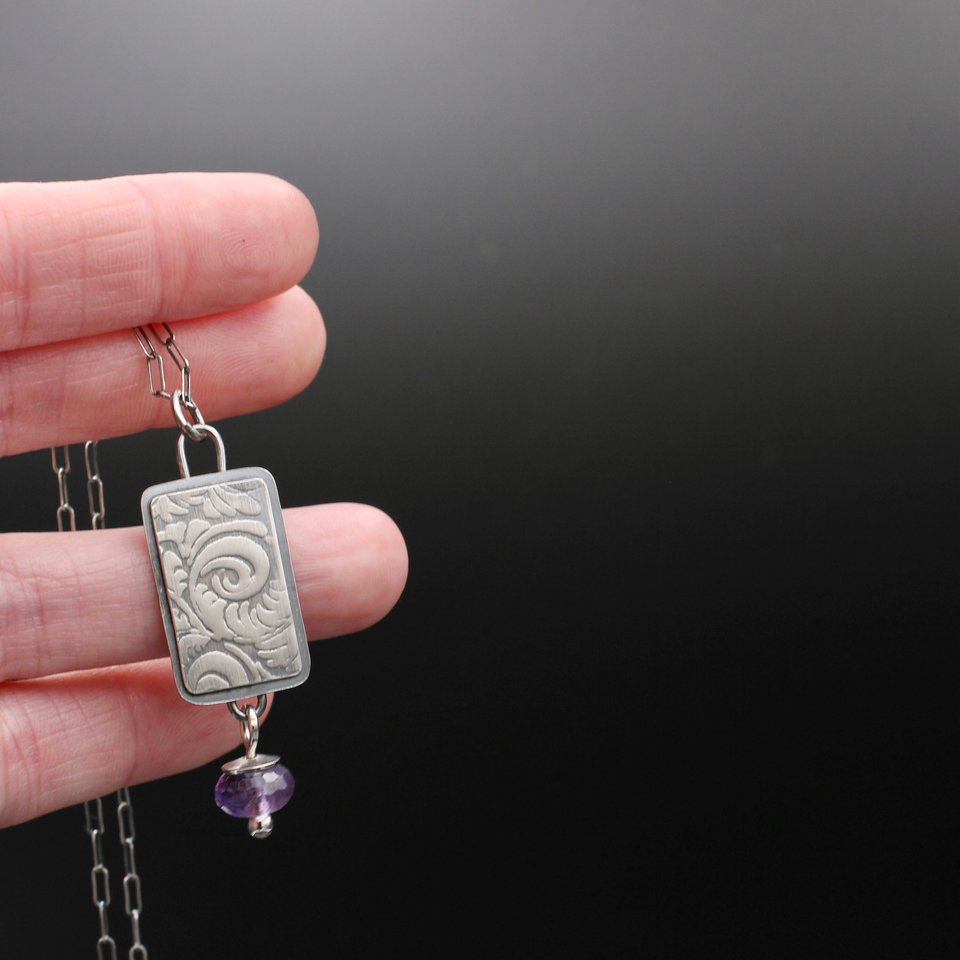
(255, 794)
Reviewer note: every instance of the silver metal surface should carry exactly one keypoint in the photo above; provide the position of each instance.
(250, 731)
(227, 592)
(260, 829)
(202, 431)
(262, 761)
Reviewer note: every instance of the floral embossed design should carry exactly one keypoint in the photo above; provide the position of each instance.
(225, 586)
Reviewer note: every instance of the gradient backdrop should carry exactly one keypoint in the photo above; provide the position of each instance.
(643, 324)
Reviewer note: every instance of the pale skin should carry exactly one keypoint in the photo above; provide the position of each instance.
(87, 698)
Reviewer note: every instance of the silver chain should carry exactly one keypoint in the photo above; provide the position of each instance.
(163, 334)
(93, 809)
(155, 335)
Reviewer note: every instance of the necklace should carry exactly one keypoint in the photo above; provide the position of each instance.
(230, 611)
(93, 810)
(227, 592)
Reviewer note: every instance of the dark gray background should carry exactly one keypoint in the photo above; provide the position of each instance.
(643, 325)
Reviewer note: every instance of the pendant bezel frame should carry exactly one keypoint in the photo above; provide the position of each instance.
(197, 482)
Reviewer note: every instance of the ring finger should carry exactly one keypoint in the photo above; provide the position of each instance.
(349, 560)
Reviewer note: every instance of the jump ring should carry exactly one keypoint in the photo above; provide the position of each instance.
(180, 403)
(240, 712)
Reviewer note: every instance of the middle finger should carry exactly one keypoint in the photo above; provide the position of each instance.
(248, 359)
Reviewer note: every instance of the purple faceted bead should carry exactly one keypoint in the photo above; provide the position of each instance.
(254, 794)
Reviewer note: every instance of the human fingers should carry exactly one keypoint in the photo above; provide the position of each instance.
(68, 738)
(76, 601)
(241, 360)
(82, 258)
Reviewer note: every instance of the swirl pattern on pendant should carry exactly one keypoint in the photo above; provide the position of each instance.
(225, 588)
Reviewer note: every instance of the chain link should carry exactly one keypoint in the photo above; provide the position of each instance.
(99, 877)
(186, 413)
(98, 510)
(164, 337)
(132, 901)
(60, 461)
(93, 809)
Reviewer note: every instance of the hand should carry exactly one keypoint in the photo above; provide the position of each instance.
(80, 264)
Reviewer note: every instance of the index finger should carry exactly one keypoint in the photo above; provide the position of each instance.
(93, 256)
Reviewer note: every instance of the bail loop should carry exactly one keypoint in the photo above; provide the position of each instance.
(250, 730)
(203, 431)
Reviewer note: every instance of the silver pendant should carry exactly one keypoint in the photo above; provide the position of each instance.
(227, 592)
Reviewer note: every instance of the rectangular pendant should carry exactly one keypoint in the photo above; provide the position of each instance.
(227, 593)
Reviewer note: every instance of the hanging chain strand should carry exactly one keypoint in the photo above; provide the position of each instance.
(99, 877)
(132, 903)
(93, 809)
